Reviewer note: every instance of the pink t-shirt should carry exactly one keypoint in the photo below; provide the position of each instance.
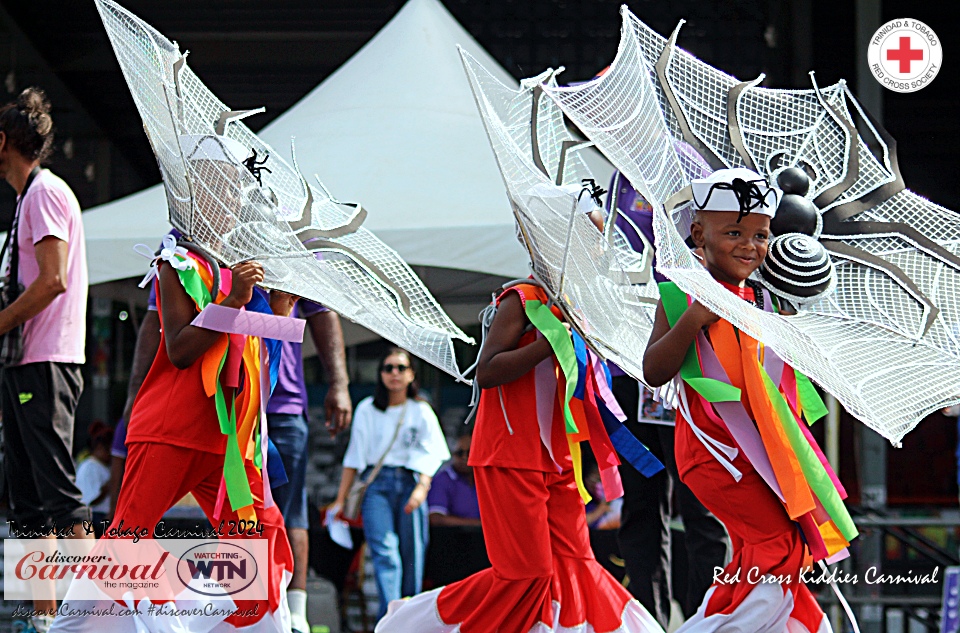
(58, 333)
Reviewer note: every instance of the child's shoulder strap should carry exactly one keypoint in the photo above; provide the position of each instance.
(527, 290)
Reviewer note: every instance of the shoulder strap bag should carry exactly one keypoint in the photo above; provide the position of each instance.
(354, 501)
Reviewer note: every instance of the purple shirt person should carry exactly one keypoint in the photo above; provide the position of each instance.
(290, 393)
(453, 494)
(288, 430)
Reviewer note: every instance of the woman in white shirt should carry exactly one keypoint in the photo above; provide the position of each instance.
(394, 510)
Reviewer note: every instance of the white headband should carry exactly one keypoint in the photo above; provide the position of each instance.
(718, 192)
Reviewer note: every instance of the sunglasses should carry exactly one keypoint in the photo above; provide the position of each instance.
(389, 367)
(461, 453)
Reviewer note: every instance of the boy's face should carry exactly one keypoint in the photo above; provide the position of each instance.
(731, 250)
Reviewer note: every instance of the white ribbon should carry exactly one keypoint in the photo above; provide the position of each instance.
(714, 446)
(168, 252)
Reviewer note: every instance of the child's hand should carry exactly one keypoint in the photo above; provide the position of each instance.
(245, 276)
(702, 315)
(281, 303)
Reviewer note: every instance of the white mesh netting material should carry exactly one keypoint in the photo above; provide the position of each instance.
(221, 206)
(589, 273)
(866, 342)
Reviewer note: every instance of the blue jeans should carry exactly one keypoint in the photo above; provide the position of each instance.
(397, 540)
(289, 434)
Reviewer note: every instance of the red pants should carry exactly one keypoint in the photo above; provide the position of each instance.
(764, 539)
(159, 475)
(536, 535)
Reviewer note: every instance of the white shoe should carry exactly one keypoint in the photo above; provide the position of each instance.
(299, 623)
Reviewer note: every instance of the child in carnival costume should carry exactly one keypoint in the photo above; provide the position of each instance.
(742, 443)
(543, 392)
(195, 424)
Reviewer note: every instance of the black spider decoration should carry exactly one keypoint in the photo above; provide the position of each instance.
(748, 194)
(591, 187)
(255, 167)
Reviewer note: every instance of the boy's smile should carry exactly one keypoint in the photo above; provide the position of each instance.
(731, 250)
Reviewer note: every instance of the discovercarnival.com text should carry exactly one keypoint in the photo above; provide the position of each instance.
(65, 610)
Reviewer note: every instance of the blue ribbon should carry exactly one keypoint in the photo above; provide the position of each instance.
(260, 304)
(629, 447)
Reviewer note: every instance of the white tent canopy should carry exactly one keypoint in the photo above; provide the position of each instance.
(395, 128)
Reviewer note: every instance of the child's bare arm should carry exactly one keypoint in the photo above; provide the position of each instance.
(668, 346)
(186, 343)
(500, 360)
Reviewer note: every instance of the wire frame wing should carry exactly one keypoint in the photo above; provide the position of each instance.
(588, 273)
(238, 199)
(885, 343)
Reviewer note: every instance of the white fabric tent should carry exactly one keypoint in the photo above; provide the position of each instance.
(395, 128)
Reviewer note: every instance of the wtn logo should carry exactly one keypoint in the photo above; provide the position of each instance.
(218, 569)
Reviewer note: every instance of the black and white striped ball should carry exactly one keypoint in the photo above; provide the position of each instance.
(798, 267)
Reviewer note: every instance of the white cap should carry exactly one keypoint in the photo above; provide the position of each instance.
(716, 192)
(213, 147)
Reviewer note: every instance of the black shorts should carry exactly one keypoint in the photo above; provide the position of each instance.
(39, 402)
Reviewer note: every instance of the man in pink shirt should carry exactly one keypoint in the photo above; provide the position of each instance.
(39, 393)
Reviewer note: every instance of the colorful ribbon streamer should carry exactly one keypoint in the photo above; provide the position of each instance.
(590, 412)
(766, 419)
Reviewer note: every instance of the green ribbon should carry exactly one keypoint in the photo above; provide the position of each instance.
(813, 471)
(192, 282)
(552, 329)
(234, 473)
(257, 457)
(810, 401)
(674, 303)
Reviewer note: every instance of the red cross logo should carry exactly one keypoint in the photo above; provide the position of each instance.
(905, 54)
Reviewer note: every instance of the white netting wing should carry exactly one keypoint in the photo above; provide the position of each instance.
(885, 343)
(254, 205)
(601, 283)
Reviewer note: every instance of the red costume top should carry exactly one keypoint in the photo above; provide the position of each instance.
(493, 443)
(689, 450)
(172, 406)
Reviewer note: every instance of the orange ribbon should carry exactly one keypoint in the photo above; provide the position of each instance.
(746, 375)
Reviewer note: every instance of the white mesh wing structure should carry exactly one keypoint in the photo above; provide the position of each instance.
(591, 275)
(308, 243)
(886, 343)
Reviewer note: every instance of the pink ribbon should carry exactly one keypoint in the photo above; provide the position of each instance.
(607, 460)
(545, 381)
(223, 319)
(789, 390)
(221, 495)
(603, 389)
(735, 418)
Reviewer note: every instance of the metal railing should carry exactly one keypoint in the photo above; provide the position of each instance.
(876, 603)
